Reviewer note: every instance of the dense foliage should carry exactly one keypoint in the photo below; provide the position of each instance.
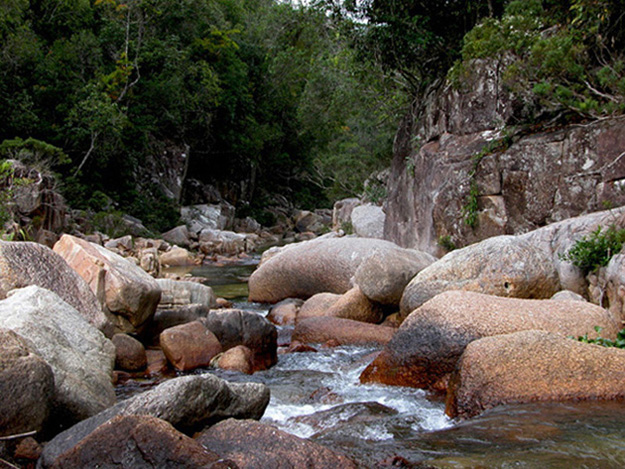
(558, 57)
(265, 97)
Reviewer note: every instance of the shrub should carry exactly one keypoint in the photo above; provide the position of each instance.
(618, 343)
(595, 250)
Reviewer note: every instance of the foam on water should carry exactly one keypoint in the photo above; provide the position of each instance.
(337, 371)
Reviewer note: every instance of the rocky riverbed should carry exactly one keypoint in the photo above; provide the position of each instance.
(370, 355)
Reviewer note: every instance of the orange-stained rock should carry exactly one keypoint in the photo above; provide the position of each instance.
(189, 346)
(342, 331)
(122, 287)
(356, 306)
(351, 305)
(428, 344)
(532, 366)
(239, 358)
(251, 444)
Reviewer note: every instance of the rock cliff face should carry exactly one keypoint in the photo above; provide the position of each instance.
(539, 177)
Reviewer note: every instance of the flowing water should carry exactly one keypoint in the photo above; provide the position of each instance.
(317, 395)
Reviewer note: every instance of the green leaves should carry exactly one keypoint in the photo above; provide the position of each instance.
(595, 250)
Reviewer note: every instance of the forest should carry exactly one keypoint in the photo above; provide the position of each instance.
(270, 98)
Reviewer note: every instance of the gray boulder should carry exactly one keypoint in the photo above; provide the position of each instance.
(26, 386)
(235, 327)
(505, 266)
(80, 356)
(23, 264)
(188, 403)
(368, 221)
(179, 236)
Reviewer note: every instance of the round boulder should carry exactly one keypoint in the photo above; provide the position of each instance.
(129, 353)
(189, 346)
(533, 366)
(427, 346)
(239, 358)
(507, 266)
(310, 267)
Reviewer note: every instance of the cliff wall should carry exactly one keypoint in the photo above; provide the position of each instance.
(539, 177)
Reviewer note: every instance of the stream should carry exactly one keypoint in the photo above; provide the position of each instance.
(318, 396)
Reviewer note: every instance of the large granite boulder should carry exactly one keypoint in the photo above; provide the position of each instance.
(124, 289)
(339, 331)
(26, 386)
(133, 441)
(252, 444)
(310, 267)
(189, 403)
(23, 264)
(505, 266)
(533, 366)
(317, 305)
(428, 344)
(80, 356)
(383, 278)
(235, 327)
(556, 239)
(166, 318)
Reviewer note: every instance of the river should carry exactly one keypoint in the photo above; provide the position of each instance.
(318, 396)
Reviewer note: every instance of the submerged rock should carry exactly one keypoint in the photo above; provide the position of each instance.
(253, 445)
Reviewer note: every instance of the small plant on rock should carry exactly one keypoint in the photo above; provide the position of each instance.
(618, 343)
(595, 250)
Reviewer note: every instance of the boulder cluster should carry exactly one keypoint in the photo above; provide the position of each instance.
(79, 318)
(486, 325)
